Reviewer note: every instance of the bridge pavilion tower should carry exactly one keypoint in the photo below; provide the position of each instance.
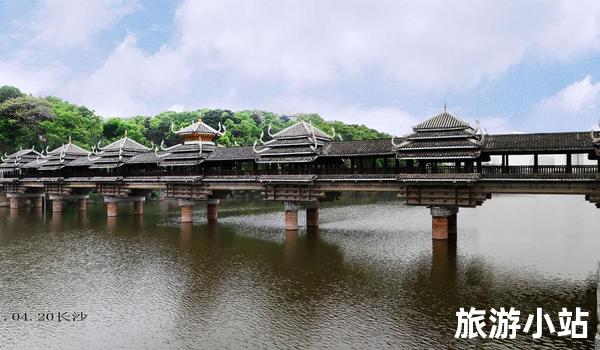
(10, 170)
(294, 150)
(108, 160)
(51, 166)
(183, 160)
(442, 157)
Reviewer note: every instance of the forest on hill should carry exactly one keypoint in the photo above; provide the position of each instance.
(27, 121)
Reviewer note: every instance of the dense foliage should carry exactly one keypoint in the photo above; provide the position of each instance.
(27, 121)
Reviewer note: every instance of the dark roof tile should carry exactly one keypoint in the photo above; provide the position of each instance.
(444, 120)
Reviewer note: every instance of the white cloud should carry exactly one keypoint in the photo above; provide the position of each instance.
(300, 47)
(176, 108)
(132, 81)
(433, 44)
(574, 107)
(69, 23)
(292, 56)
(32, 79)
(580, 96)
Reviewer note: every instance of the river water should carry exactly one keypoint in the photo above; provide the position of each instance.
(369, 278)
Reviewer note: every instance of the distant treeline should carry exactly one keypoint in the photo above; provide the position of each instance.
(27, 121)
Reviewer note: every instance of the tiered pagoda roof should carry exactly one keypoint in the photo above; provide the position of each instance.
(17, 160)
(443, 137)
(116, 154)
(58, 158)
(199, 143)
(299, 143)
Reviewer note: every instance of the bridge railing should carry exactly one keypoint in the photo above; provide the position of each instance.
(521, 170)
(539, 169)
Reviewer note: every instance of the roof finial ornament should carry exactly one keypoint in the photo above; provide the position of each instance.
(444, 106)
(125, 132)
(258, 151)
(269, 131)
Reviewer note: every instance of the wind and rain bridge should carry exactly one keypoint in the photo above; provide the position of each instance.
(444, 164)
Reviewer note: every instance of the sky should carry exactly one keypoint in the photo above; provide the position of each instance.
(516, 66)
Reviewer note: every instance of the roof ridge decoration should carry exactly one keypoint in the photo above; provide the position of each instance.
(443, 131)
(309, 129)
(299, 142)
(441, 121)
(193, 128)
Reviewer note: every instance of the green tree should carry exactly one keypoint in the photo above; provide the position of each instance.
(7, 92)
(20, 122)
(115, 128)
(77, 122)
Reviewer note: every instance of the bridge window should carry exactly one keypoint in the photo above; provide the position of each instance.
(552, 159)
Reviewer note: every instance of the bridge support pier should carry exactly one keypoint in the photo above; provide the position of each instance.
(187, 209)
(212, 210)
(83, 203)
(57, 204)
(312, 215)
(112, 208)
(291, 216)
(138, 207)
(16, 200)
(38, 202)
(443, 222)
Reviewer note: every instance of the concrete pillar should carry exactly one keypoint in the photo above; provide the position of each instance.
(452, 229)
(112, 209)
(443, 222)
(212, 209)
(138, 207)
(291, 216)
(57, 205)
(312, 216)
(37, 202)
(186, 211)
(14, 202)
(83, 204)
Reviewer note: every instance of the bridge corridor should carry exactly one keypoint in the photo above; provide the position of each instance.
(445, 164)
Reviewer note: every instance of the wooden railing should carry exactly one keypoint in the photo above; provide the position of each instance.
(540, 169)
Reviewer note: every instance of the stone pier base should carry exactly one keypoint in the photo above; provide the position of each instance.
(38, 202)
(212, 209)
(83, 204)
(138, 207)
(291, 216)
(112, 209)
(57, 205)
(186, 208)
(16, 200)
(443, 222)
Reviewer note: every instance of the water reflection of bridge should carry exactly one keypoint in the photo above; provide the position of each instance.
(445, 164)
